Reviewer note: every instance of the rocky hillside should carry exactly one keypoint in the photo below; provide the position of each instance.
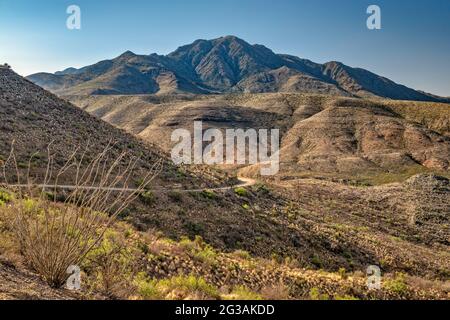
(33, 119)
(321, 135)
(403, 228)
(226, 64)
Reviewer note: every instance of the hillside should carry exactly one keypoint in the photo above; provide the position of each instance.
(34, 119)
(322, 136)
(287, 239)
(223, 65)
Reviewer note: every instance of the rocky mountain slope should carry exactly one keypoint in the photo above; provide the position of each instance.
(226, 64)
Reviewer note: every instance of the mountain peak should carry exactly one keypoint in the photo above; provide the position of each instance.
(127, 54)
(230, 38)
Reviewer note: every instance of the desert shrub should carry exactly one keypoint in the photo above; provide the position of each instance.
(54, 236)
(175, 196)
(9, 248)
(147, 197)
(200, 250)
(176, 288)
(243, 293)
(242, 192)
(316, 261)
(343, 273)
(5, 197)
(246, 206)
(194, 228)
(206, 255)
(22, 165)
(209, 194)
(276, 258)
(139, 182)
(315, 294)
(111, 267)
(242, 254)
(147, 289)
(276, 292)
(262, 189)
(291, 262)
(397, 284)
(345, 297)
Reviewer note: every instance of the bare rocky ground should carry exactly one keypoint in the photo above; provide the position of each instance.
(23, 285)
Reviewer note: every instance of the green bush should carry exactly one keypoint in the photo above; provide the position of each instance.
(209, 194)
(243, 293)
(343, 273)
(242, 192)
(260, 188)
(316, 261)
(242, 254)
(5, 197)
(206, 255)
(345, 297)
(176, 288)
(193, 228)
(147, 197)
(139, 182)
(111, 265)
(200, 250)
(397, 285)
(315, 294)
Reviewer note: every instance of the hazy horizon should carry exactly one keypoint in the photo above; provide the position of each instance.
(409, 49)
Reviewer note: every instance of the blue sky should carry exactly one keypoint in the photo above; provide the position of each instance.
(413, 47)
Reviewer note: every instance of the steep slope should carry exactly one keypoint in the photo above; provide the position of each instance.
(226, 64)
(285, 79)
(364, 83)
(33, 119)
(223, 62)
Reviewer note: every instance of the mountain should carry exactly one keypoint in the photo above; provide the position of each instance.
(224, 65)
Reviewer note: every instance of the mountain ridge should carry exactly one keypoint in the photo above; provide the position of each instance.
(223, 65)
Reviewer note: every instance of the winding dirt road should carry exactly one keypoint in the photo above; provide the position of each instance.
(244, 182)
